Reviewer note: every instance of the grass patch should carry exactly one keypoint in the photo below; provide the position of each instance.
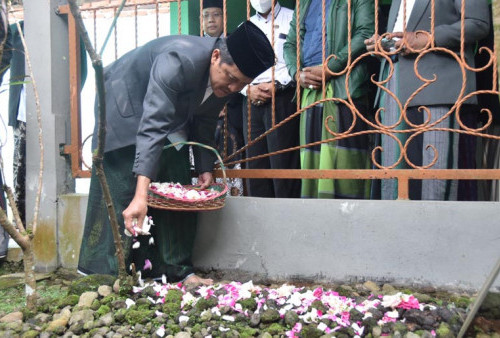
(14, 299)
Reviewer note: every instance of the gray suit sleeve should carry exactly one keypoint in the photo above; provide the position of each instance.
(165, 83)
(477, 24)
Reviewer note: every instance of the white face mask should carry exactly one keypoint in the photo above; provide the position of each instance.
(261, 6)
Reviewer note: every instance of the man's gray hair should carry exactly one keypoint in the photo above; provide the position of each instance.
(225, 56)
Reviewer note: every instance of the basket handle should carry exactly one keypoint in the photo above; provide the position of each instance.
(202, 146)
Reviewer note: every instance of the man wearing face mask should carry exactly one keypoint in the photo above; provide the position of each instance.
(259, 93)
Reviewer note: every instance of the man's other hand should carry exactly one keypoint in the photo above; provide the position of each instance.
(134, 215)
(205, 179)
(371, 42)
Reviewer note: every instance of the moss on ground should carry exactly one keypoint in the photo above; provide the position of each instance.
(16, 295)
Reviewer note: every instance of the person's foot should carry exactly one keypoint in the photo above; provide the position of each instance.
(195, 280)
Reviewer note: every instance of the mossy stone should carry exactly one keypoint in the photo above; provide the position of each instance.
(275, 329)
(27, 313)
(96, 304)
(248, 304)
(444, 331)
(317, 304)
(143, 303)
(491, 306)
(196, 328)
(90, 283)
(70, 300)
(120, 315)
(204, 304)
(108, 299)
(138, 316)
(309, 331)
(398, 326)
(30, 334)
(95, 331)
(462, 302)
(171, 309)
(247, 332)
(103, 309)
(173, 295)
(355, 315)
(270, 316)
(172, 329)
(344, 290)
(125, 289)
(291, 318)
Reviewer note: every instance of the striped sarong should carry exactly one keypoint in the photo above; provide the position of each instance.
(418, 151)
(348, 153)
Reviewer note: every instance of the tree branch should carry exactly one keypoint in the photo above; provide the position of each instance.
(101, 123)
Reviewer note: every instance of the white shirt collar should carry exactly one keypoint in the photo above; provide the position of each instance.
(399, 25)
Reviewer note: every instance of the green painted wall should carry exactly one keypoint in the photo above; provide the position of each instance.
(190, 15)
(236, 13)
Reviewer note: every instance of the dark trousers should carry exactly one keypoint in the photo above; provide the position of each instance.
(4, 235)
(284, 137)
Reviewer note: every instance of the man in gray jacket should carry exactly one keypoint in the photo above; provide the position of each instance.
(445, 87)
(171, 89)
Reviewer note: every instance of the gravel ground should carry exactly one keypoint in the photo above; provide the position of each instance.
(96, 306)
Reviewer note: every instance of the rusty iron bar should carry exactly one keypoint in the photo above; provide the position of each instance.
(224, 17)
(273, 68)
(157, 17)
(201, 17)
(112, 4)
(115, 31)
(94, 17)
(179, 14)
(403, 176)
(74, 149)
(136, 30)
(363, 174)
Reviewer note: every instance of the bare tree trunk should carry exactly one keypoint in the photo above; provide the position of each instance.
(25, 241)
(20, 235)
(97, 159)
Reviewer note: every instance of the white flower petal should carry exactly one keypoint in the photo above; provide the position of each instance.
(392, 314)
(129, 302)
(146, 225)
(215, 311)
(151, 241)
(136, 245)
(128, 233)
(161, 331)
(322, 327)
(183, 319)
(228, 318)
(139, 279)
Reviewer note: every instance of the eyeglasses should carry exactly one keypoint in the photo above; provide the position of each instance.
(212, 15)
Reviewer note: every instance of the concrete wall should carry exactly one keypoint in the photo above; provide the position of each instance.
(71, 219)
(452, 244)
(448, 244)
(47, 41)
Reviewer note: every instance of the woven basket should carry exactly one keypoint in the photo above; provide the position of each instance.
(214, 202)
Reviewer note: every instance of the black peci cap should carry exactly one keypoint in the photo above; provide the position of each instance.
(250, 49)
(212, 3)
